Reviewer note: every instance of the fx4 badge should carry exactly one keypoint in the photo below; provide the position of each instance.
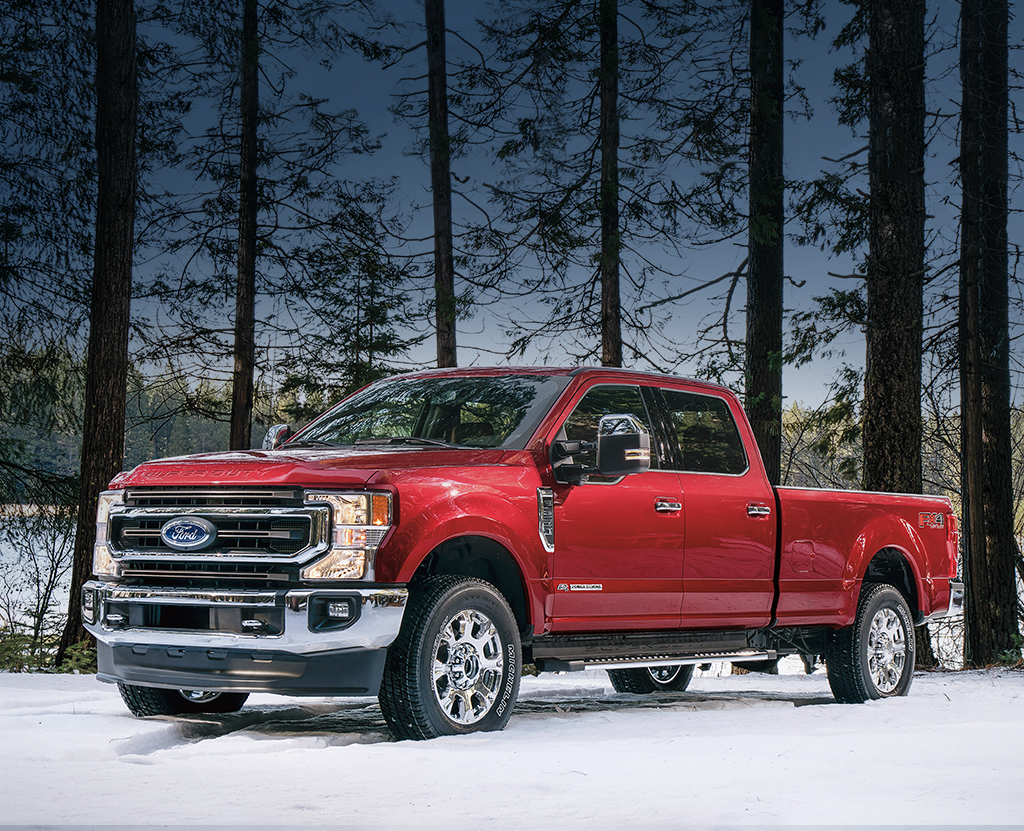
(931, 520)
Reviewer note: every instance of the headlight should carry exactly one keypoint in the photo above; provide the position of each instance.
(359, 522)
(103, 562)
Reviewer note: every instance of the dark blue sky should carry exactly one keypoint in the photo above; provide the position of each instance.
(370, 89)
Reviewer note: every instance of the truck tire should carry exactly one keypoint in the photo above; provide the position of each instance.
(151, 701)
(455, 665)
(651, 679)
(873, 658)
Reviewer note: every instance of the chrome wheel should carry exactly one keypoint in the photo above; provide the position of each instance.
(151, 701)
(468, 663)
(455, 665)
(643, 680)
(664, 675)
(874, 657)
(199, 696)
(887, 650)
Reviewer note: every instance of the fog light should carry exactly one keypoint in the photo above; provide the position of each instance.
(89, 605)
(339, 609)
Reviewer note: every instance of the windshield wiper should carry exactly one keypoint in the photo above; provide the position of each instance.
(405, 440)
(310, 443)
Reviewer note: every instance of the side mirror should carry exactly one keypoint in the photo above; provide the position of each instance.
(561, 458)
(623, 446)
(276, 436)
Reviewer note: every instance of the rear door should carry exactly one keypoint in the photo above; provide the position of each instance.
(729, 556)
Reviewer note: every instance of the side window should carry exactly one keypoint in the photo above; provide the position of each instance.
(581, 425)
(708, 439)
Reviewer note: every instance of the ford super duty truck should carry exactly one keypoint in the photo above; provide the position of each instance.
(433, 532)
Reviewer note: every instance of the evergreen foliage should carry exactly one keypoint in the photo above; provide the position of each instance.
(584, 169)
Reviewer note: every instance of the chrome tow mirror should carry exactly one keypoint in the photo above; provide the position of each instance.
(276, 436)
(623, 446)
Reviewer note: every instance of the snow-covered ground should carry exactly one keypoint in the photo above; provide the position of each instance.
(733, 750)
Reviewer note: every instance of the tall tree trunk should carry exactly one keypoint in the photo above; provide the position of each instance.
(986, 476)
(107, 369)
(245, 284)
(611, 312)
(896, 257)
(895, 270)
(440, 183)
(765, 236)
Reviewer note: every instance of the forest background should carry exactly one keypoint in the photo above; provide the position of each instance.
(220, 216)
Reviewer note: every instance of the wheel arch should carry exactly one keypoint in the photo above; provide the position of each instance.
(485, 559)
(892, 566)
(888, 550)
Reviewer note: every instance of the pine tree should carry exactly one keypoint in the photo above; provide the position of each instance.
(765, 275)
(107, 368)
(992, 632)
(440, 182)
(265, 202)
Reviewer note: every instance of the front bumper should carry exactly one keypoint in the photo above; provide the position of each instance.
(255, 641)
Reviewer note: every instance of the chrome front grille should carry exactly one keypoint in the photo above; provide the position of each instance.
(247, 534)
(187, 569)
(252, 525)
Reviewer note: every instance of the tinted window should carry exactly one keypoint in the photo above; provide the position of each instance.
(581, 425)
(707, 434)
(469, 411)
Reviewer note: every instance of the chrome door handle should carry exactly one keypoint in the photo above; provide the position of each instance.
(758, 510)
(667, 506)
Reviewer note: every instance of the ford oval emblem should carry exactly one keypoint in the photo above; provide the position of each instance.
(188, 533)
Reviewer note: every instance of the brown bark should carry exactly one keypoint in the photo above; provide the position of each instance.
(765, 274)
(611, 312)
(107, 368)
(986, 476)
(243, 378)
(440, 183)
(896, 257)
(895, 271)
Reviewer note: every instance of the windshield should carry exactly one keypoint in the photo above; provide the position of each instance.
(474, 411)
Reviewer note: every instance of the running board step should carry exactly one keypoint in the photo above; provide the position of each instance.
(601, 645)
(578, 665)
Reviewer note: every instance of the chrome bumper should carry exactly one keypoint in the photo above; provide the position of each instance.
(376, 620)
(956, 603)
(281, 641)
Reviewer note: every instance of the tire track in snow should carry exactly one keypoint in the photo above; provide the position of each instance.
(362, 723)
(333, 722)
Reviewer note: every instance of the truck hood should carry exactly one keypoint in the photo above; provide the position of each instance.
(318, 467)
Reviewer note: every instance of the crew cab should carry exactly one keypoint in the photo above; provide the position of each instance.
(433, 532)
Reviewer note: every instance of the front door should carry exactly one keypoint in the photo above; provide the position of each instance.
(617, 563)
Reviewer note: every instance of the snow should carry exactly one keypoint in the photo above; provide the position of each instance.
(732, 750)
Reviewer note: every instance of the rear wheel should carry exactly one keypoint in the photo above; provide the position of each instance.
(643, 680)
(151, 701)
(455, 665)
(873, 658)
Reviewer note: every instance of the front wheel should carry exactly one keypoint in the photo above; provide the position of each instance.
(151, 701)
(455, 665)
(651, 679)
(873, 658)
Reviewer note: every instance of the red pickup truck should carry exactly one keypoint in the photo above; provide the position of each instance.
(433, 532)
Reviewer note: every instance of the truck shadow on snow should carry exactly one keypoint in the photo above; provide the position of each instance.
(361, 722)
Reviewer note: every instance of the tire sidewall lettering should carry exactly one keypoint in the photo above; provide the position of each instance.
(487, 606)
(906, 624)
(510, 670)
